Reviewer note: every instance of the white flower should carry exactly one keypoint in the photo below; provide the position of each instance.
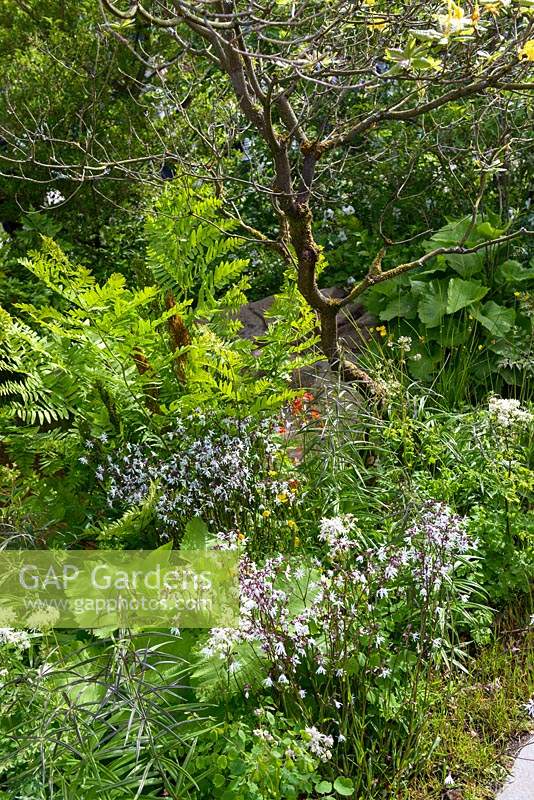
(329, 213)
(385, 672)
(342, 236)
(302, 693)
(529, 707)
(53, 198)
(334, 532)
(279, 649)
(263, 734)
(319, 743)
(405, 343)
(268, 682)
(221, 642)
(348, 210)
(449, 780)
(282, 679)
(14, 637)
(508, 413)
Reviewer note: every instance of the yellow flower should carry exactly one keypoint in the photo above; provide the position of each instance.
(291, 524)
(455, 20)
(381, 329)
(481, 347)
(492, 8)
(379, 25)
(240, 536)
(527, 51)
(296, 541)
(266, 514)
(272, 473)
(282, 497)
(517, 294)
(475, 16)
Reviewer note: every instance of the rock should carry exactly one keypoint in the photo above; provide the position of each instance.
(353, 325)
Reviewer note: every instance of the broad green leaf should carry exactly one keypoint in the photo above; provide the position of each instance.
(425, 368)
(466, 265)
(433, 303)
(402, 306)
(514, 272)
(324, 787)
(344, 786)
(489, 231)
(461, 294)
(497, 319)
(449, 235)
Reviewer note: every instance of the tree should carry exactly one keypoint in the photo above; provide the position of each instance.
(309, 90)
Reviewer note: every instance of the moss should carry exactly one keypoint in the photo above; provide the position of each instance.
(479, 719)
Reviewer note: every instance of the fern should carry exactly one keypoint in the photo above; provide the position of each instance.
(114, 357)
(35, 385)
(188, 246)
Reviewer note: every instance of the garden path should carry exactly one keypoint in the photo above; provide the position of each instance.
(520, 784)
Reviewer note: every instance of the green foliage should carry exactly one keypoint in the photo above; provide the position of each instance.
(270, 763)
(188, 244)
(92, 719)
(104, 354)
(476, 716)
(377, 469)
(464, 313)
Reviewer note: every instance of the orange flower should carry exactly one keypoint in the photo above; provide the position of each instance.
(297, 406)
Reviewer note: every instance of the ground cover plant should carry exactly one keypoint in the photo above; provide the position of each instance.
(162, 165)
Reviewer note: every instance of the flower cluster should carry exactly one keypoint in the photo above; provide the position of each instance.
(403, 344)
(320, 744)
(53, 198)
(16, 638)
(203, 468)
(335, 533)
(507, 413)
(308, 624)
(42, 619)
